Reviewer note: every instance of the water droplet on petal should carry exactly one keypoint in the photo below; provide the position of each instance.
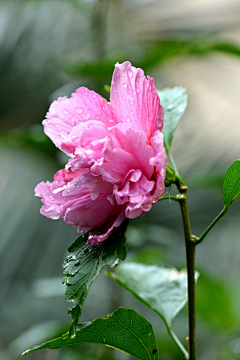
(79, 110)
(170, 107)
(130, 74)
(124, 85)
(94, 95)
(128, 119)
(137, 90)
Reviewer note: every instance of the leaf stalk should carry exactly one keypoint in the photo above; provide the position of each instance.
(177, 341)
(169, 154)
(220, 215)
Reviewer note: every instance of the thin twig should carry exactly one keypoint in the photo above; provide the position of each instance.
(220, 215)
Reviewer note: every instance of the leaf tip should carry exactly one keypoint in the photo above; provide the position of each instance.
(24, 353)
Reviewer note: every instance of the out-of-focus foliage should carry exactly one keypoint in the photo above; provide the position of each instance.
(31, 137)
(219, 312)
(152, 55)
(48, 49)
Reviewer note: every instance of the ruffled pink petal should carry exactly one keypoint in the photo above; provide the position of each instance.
(126, 149)
(86, 141)
(159, 161)
(82, 202)
(88, 214)
(67, 176)
(66, 114)
(160, 158)
(51, 194)
(134, 99)
(97, 238)
(135, 193)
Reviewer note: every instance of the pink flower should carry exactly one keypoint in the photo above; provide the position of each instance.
(117, 159)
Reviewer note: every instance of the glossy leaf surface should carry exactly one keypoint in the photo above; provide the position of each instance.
(84, 265)
(231, 183)
(162, 289)
(174, 102)
(125, 330)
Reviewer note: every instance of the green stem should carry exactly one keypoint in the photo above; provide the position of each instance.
(190, 243)
(177, 342)
(220, 215)
(169, 154)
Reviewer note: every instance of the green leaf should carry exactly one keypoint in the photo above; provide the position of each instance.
(85, 264)
(174, 102)
(124, 330)
(162, 289)
(231, 184)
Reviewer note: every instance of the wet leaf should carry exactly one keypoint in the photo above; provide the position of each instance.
(124, 330)
(231, 183)
(174, 102)
(85, 264)
(162, 289)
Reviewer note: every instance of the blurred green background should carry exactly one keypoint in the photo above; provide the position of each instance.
(50, 48)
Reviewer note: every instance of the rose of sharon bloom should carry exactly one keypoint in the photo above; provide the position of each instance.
(117, 159)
